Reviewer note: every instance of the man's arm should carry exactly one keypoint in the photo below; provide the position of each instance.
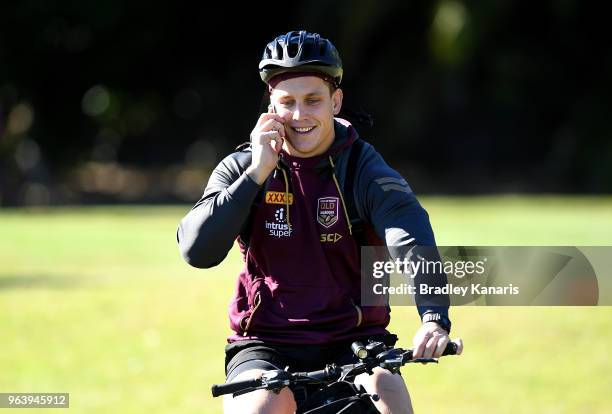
(398, 218)
(206, 234)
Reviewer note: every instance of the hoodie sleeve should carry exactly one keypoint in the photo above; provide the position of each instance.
(206, 234)
(391, 206)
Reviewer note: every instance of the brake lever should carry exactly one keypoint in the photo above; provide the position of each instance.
(406, 357)
(354, 370)
(276, 380)
(423, 361)
(393, 365)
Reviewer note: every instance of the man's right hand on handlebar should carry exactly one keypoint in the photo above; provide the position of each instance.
(431, 340)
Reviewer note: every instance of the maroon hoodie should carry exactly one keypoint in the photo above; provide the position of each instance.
(301, 279)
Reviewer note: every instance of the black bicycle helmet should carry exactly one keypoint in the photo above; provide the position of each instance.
(300, 52)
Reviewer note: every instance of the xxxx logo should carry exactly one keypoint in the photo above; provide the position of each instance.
(278, 197)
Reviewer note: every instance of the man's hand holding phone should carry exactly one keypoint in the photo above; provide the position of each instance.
(266, 142)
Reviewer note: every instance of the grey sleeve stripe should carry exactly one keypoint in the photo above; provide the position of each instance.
(389, 187)
(385, 180)
(398, 236)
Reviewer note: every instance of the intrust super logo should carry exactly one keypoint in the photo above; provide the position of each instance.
(278, 197)
(279, 227)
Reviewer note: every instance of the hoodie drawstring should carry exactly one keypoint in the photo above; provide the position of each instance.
(286, 194)
(348, 220)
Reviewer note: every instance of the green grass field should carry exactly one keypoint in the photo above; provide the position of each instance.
(98, 303)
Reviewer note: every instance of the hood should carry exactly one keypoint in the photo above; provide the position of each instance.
(345, 135)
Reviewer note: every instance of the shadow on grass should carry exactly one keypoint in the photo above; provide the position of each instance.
(39, 282)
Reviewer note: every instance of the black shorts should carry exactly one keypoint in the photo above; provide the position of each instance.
(241, 356)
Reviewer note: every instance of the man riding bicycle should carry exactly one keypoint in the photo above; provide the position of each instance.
(284, 199)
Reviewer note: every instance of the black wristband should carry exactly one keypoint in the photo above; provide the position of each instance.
(438, 318)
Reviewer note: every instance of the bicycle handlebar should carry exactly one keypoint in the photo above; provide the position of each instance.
(451, 348)
(391, 359)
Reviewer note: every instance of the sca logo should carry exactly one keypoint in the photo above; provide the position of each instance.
(279, 226)
(330, 237)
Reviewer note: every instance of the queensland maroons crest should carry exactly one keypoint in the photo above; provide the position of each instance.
(327, 211)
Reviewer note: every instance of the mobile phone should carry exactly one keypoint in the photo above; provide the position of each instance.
(271, 109)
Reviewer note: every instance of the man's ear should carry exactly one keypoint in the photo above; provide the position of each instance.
(337, 101)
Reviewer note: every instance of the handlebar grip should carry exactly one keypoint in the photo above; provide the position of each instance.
(232, 387)
(451, 348)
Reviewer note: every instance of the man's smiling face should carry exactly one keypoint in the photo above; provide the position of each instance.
(308, 107)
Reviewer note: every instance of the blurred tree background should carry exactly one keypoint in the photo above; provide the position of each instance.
(133, 102)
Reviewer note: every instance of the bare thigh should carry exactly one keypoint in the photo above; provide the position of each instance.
(261, 401)
(391, 388)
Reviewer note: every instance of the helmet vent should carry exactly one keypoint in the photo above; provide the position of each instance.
(279, 52)
(292, 49)
(307, 49)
